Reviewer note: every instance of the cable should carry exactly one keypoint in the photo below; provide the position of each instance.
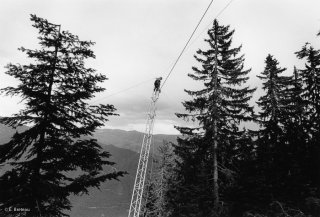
(121, 91)
(184, 48)
(220, 12)
(224, 9)
(175, 63)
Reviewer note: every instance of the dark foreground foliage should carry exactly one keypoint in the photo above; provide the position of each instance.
(221, 169)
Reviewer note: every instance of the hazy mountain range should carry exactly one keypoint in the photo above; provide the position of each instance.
(113, 198)
(129, 139)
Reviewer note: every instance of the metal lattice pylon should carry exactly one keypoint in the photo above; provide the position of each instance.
(138, 187)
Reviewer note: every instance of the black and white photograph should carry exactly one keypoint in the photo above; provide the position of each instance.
(159, 108)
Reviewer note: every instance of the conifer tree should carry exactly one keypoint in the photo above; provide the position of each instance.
(218, 107)
(272, 103)
(155, 196)
(293, 98)
(165, 170)
(243, 193)
(310, 76)
(54, 88)
(311, 91)
(149, 208)
(187, 187)
(297, 157)
(275, 110)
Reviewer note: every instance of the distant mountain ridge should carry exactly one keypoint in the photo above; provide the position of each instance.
(120, 138)
(129, 139)
(113, 198)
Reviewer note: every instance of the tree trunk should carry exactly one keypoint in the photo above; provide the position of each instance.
(215, 141)
(41, 144)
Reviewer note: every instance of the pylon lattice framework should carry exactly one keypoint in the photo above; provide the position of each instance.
(138, 187)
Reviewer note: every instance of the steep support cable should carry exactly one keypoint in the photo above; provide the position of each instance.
(138, 187)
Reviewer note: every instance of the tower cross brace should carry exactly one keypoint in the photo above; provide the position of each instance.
(136, 198)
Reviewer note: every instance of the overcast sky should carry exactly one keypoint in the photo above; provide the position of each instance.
(139, 40)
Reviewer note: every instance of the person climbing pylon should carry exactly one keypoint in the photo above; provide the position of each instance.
(157, 84)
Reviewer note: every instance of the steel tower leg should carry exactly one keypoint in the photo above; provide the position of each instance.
(138, 187)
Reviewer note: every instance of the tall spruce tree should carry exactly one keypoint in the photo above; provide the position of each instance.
(293, 98)
(311, 90)
(297, 157)
(218, 108)
(54, 88)
(274, 114)
(310, 76)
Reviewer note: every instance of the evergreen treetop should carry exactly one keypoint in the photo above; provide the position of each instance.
(223, 97)
(310, 76)
(273, 103)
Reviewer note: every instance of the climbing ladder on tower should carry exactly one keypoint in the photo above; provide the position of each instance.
(138, 187)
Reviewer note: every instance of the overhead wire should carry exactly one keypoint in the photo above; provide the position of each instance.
(204, 29)
(173, 66)
(187, 44)
(195, 29)
(182, 51)
(121, 91)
